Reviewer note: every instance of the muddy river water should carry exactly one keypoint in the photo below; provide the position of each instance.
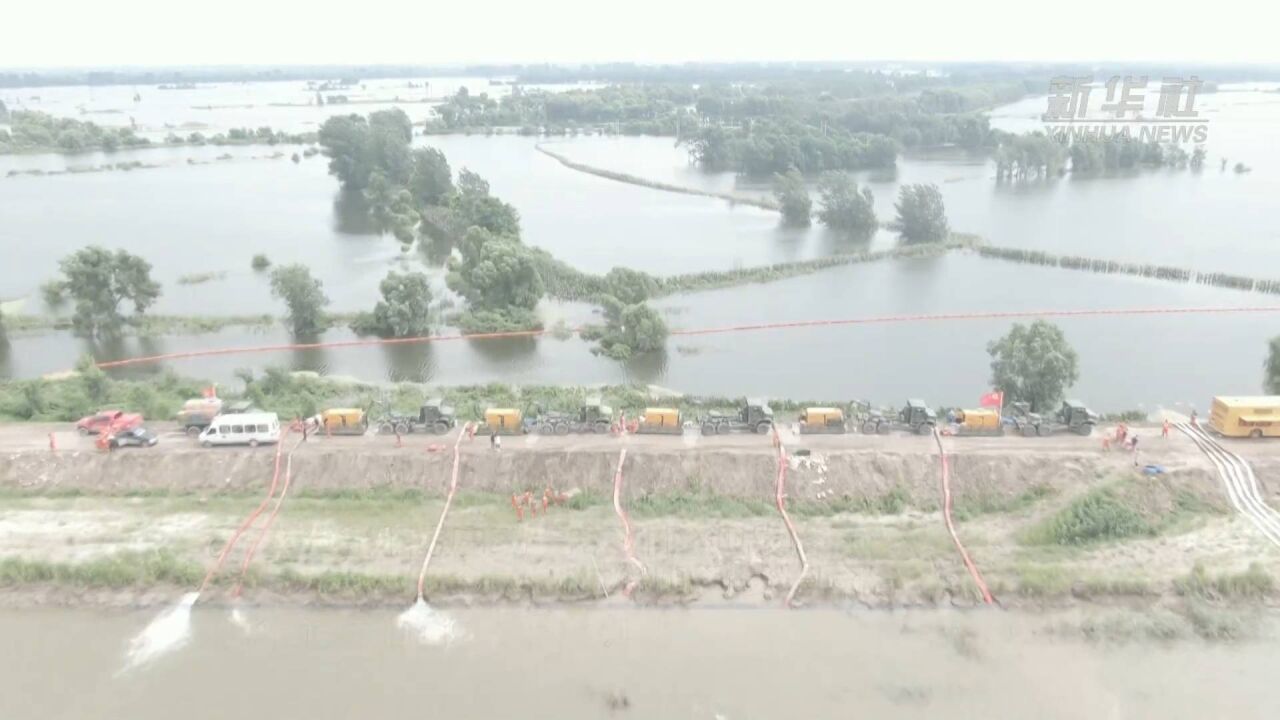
(623, 662)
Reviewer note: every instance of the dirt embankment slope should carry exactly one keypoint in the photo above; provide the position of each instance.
(1054, 522)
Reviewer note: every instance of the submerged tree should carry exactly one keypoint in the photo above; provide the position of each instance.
(432, 180)
(845, 207)
(98, 281)
(922, 217)
(304, 296)
(1033, 363)
(629, 330)
(793, 198)
(473, 206)
(404, 310)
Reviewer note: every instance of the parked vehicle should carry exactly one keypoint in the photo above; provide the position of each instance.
(755, 416)
(503, 421)
(976, 422)
(197, 413)
(344, 421)
(1236, 416)
(1073, 416)
(592, 417)
(116, 420)
(433, 417)
(252, 429)
(133, 437)
(660, 421)
(822, 420)
(916, 416)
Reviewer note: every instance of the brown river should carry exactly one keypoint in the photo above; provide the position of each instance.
(591, 663)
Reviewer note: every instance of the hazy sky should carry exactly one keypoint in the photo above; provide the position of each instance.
(162, 32)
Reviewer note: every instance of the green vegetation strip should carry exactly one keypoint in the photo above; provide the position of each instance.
(1115, 267)
(654, 184)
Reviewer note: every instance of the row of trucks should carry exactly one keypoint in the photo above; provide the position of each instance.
(917, 417)
(754, 416)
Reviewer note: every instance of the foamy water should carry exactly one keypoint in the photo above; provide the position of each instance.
(429, 625)
(239, 619)
(169, 631)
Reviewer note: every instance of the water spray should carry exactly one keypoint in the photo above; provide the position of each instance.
(430, 626)
(171, 629)
(951, 527)
(628, 538)
(780, 499)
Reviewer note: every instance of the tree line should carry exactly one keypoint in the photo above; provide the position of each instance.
(920, 214)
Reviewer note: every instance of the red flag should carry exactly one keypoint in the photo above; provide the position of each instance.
(210, 392)
(995, 399)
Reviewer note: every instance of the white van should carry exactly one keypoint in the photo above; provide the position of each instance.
(252, 429)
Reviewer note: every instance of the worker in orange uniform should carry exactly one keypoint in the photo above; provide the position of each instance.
(1164, 430)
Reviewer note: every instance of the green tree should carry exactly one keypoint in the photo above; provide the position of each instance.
(630, 330)
(98, 281)
(1033, 363)
(404, 308)
(260, 262)
(922, 217)
(629, 286)
(344, 139)
(845, 207)
(793, 197)
(304, 296)
(498, 275)
(391, 207)
(432, 180)
(473, 206)
(1271, 379)
(1198, 157)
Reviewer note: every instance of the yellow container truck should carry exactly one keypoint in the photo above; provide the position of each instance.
(977, 422)
(344, 421)
(503, 421)
(822, 420)
(1246, 416)
(661, 421)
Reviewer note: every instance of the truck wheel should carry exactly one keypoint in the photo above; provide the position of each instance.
(440, 428)
(1042, 430)
(562, 429)
(924, 429)
(253, 443)
(708, 429)
(868, 428)
(601, 428)
(723, 428)
(1255, 433)
(193, 431)
(403, 428)
(543, 429)
(206, 444)
(763, 428)
(883, 428)
(1085, 430)
(1028, 430)
(386, 428)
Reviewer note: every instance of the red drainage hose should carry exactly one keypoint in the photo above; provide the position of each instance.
(249, 520)
(951, 528)
(262, 534)
(780, 499)
(448, 501)
(628, 538)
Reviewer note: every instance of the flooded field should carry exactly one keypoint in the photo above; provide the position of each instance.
(586, 663)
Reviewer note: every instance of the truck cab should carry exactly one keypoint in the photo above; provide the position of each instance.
(435, 411)
(918, 416)
(757, 413)
(1078, 418)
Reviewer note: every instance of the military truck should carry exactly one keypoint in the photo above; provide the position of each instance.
(1073, 416)
(916, 417)
(755, 416)
(592, 417)
(433, 417)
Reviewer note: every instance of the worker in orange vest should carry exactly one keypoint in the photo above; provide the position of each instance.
(1164, 430)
